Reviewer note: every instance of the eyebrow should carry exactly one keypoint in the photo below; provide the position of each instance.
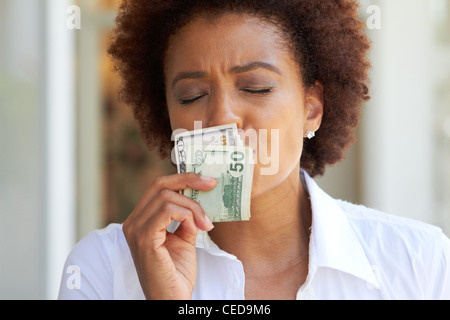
(237, 69)
(188, 75)
(255, 65)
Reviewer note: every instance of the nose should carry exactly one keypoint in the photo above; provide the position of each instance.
(223, 109)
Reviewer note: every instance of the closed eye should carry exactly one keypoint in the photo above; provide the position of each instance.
(258, 91)
(188, 101)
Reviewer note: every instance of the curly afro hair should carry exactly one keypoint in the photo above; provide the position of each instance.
(326, 37)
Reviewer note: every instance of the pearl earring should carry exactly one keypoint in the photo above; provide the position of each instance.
(310, 134)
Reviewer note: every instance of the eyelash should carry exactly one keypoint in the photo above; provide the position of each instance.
(256, 91)
(188, 101)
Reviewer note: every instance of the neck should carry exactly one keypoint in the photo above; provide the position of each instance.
(277, 235)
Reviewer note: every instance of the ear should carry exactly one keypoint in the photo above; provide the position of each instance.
(313, 107)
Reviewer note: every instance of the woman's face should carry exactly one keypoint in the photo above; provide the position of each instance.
(238, 69)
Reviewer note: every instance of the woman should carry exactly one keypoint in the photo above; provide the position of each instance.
(298, 67)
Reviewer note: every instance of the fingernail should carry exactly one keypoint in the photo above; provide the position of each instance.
(208, 221)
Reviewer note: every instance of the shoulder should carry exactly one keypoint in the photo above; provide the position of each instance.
(100, 244)
(408, 253)
(375, 226)
(89, 267)
(408, 229)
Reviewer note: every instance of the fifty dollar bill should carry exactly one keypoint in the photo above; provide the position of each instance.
(232, 166)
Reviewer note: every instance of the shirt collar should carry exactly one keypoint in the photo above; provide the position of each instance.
(333, 243)
(205, 242)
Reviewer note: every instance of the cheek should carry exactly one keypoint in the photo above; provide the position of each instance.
(287, 138)
(291, 143)
(280, 153)
(174, 118)
(182, 118)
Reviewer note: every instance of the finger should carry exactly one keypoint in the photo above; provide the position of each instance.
(183, 181)
(170, 211)
(187, 230)
(201, 219)
(176, 182)
(149, 203)
(169, 196)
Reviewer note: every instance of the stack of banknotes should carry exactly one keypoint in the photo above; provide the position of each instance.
(220, 153)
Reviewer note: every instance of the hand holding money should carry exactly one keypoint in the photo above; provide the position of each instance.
(153, 248)
(218, 152)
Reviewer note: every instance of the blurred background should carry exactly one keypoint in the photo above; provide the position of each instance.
(71, 160)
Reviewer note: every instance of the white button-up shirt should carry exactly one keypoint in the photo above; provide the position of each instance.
(354, 253)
